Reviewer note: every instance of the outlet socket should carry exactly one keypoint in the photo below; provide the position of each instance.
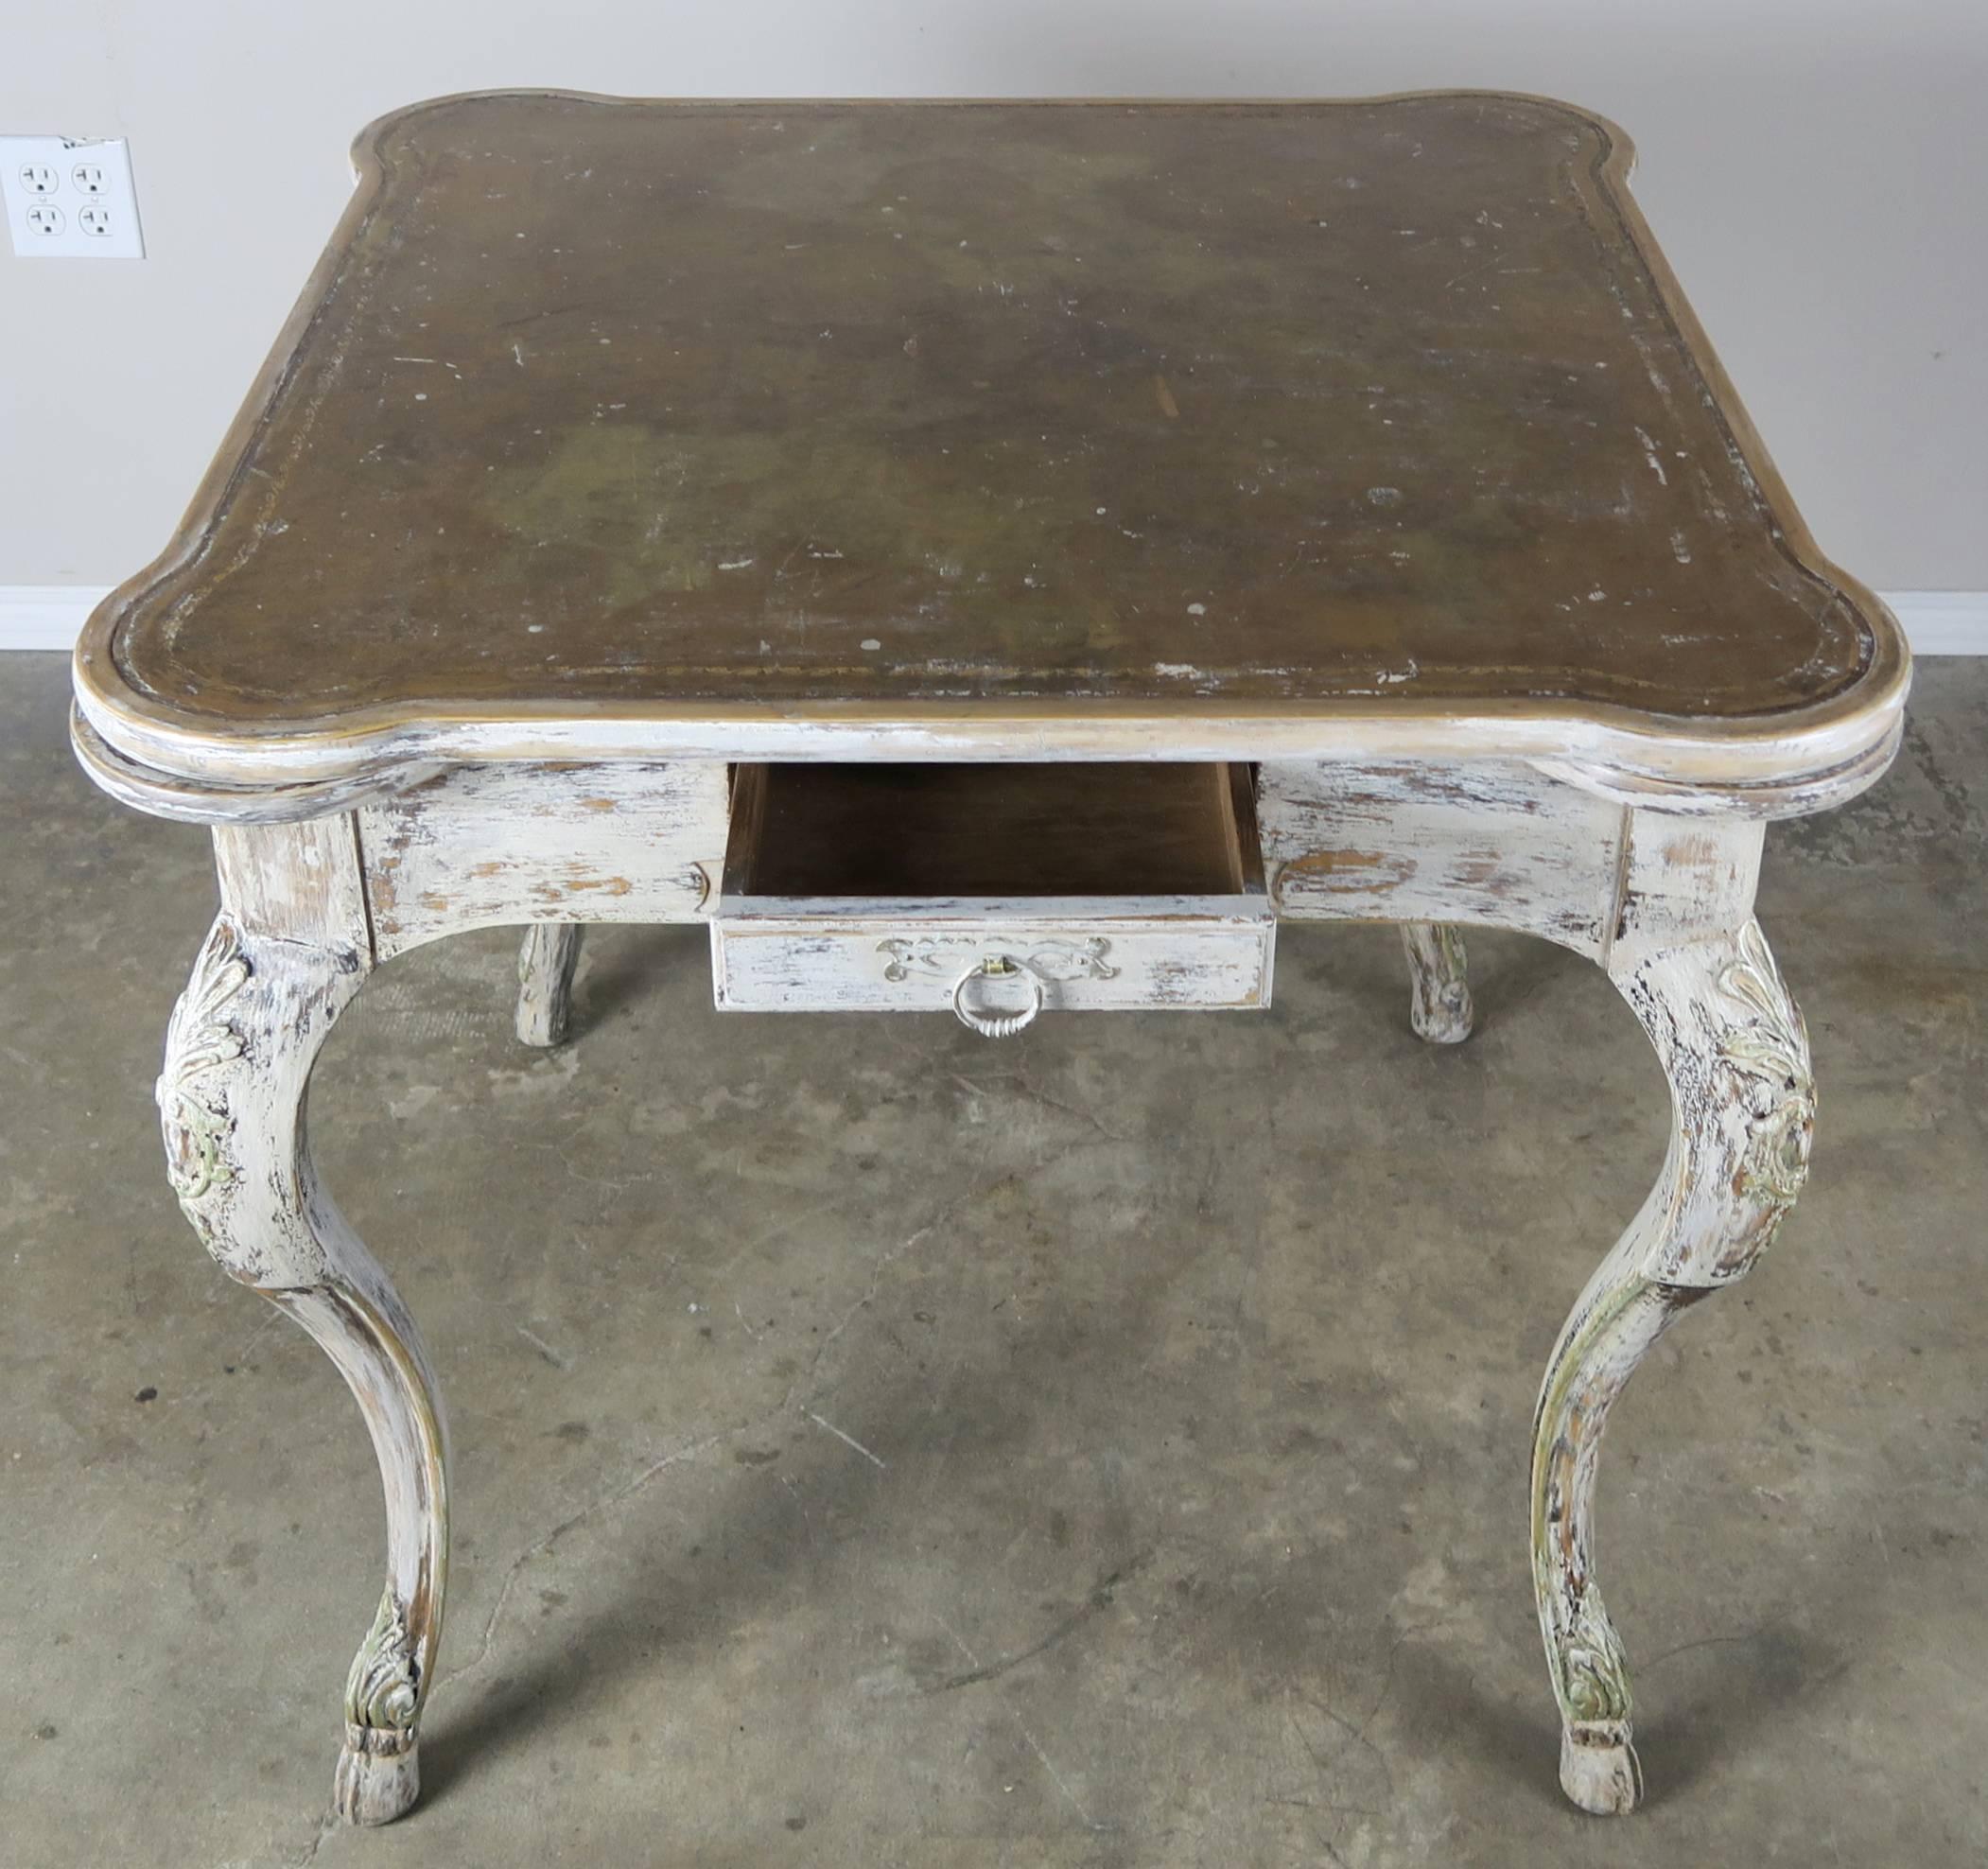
(67, 198)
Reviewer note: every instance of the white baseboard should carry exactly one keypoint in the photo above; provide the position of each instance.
(1937, 622)
(45, 616)
(1943, 622)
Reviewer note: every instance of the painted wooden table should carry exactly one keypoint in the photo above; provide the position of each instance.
(1001, 557)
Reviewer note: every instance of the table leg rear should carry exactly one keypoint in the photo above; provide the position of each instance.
(545, 982)
(1439, 1006)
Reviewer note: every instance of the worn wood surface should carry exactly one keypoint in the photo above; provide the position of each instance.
(546, 961)
(1404, 841)
(1162, 954)
(302, 881)
(1439, 998)
(814, 431)
(1735, 1053)
(488, 844)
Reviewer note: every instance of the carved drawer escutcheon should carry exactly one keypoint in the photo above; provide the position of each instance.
(947, 959)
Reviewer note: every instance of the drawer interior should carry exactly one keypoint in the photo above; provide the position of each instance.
(926, 832)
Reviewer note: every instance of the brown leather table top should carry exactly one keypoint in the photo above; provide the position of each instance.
(608, 408)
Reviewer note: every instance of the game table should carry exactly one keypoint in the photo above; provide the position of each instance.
(996, 557)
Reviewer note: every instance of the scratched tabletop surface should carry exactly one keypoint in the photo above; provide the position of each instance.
(606, 404)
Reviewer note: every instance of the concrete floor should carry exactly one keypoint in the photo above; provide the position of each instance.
(1190, 1361)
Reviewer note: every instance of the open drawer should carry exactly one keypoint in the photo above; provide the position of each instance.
(997, 891)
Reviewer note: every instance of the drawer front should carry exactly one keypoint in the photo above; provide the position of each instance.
(995, 970)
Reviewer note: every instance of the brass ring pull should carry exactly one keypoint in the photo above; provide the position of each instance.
(991, 1017)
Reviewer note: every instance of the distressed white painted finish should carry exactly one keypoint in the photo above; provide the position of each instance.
(1664, 902)
(1699, 769)
(1683, 881)
(296, 883)
(488, 844)
(287, 954)
(212, 802)
(1735, 1050)
(1087, 955)
(1406, 842)
(1735, 1053)
(546, 960)
(1439, 1005)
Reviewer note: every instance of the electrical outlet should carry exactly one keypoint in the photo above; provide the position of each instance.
(68, 197)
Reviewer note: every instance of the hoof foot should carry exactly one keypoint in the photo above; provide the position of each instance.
(379, 1776)
(1446, 1020)
(1599, 1768)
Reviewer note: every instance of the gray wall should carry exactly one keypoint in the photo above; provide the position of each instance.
(1814, 167)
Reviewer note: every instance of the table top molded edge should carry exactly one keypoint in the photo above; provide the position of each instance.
(1785, 763)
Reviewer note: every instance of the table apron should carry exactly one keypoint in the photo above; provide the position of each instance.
(485, 846)
(1494, 844)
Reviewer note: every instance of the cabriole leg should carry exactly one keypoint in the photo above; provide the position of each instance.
(1439, 1006)
(544, 981)
(238, 1057)
(1735, 1054)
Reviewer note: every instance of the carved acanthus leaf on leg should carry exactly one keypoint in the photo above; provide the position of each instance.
(1768, 1052)
(1735, 1051)
(239, 1050)
(382, 1691)
(378, 1774)
(192, 1106)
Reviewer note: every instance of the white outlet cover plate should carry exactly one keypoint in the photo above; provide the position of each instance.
(69, 198)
